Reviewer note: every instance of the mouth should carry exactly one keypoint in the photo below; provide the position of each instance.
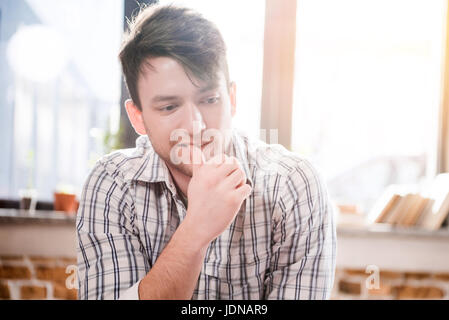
(187, 145)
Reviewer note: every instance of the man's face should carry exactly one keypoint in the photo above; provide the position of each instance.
(172, 104)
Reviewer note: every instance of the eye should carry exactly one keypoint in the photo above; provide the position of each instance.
(212, 100)
(168, 108)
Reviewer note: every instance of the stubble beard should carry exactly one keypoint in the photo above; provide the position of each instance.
(208, 150)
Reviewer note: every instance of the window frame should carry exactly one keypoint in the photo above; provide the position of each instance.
(279, 69)
(443, 118)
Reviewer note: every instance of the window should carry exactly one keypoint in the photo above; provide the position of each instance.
(367, 92)
(59, 89)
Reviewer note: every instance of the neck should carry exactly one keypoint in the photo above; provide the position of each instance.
(180, 179)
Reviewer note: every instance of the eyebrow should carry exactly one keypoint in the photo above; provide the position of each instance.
(161, 98)
(164, 98)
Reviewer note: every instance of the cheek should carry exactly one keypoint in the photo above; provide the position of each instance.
(226, 117)
(158, 129)
(161, 134)
(219, 117)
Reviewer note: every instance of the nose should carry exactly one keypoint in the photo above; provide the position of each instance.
(193, 121)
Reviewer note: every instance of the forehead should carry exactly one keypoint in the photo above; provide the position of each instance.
(164, 75)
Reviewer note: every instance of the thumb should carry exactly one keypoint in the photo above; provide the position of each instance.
(197, 158)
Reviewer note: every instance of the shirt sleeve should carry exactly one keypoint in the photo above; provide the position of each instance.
(131, 293)
(109, 253)
(302, 264)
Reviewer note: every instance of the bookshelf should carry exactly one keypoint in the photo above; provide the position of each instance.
(50, 217)
(393, 248)
(385, 230)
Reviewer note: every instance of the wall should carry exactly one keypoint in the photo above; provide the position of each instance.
(37, 277)
(352, 284)
(391, 263)
(34, 277)
(36, 255)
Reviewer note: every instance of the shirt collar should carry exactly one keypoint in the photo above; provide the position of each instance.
(149, 167)
(240, 150)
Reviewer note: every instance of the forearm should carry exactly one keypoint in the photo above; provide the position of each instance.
(176, 271)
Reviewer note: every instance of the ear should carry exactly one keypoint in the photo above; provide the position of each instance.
(232, 97)
(135, 116)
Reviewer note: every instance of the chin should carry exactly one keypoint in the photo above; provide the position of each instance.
(185, 169)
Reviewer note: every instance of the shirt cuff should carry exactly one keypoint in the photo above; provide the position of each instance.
(131, 293)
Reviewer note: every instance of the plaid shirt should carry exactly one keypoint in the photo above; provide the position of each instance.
(281, 245)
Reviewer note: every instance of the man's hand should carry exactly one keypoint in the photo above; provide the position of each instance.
(215, 193)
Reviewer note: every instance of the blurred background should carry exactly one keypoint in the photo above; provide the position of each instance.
(360, 88)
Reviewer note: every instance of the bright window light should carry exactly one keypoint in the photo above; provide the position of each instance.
(37, 53)
(367, 91)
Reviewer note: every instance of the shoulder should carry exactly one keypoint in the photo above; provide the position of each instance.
(295, 177)
(275, 159)
(123, 164)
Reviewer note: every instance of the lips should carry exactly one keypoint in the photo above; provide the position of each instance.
(191, 145)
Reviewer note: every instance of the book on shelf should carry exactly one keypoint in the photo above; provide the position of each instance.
(427, 209)
(414, 211)
(386, 207)
(425, 212)
(401, 209)
(439, 210)
(386, 204)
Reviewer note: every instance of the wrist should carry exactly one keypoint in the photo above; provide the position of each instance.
(193, 236)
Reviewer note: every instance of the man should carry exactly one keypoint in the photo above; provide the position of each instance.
(198, 210)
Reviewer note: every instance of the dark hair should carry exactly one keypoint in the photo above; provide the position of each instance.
(175, 32)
